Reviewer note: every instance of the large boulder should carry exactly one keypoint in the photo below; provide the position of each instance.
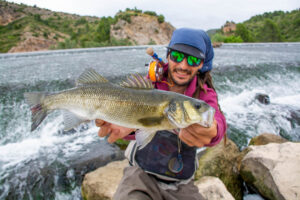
(221, 161)
(273, 170)
(213, 188)
(103, 182)
(267, 138)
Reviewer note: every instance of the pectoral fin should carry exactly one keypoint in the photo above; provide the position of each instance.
(71, 120)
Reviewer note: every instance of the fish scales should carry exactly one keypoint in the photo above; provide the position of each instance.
(112, 103)
(134, 104)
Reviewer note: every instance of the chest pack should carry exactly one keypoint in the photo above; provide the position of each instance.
(165, 156)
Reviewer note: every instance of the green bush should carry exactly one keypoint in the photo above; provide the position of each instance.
(161, 19)
(233, 39)
(151, 42)
(45, 34)
(103, 30)
(125, 16)
(121, 42)
(37, 17)
(269, 32)
(218, 37)
(67, 44)
(151, 13)
(82, 20)
(244, 33)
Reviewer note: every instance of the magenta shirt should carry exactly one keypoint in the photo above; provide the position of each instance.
(210, 97)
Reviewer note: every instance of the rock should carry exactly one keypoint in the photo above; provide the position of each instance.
(263, 98)
(221, 161)
(103, 182)
(33, 44)
(295, 115)
(143, 30)
(267, 138)
(98, 154)
(43, 178)
(8, 13)
(273, 170)
(213, 188)
(217, 44)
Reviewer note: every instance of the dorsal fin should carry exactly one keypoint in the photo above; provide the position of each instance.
(90, 76)
(138, 82)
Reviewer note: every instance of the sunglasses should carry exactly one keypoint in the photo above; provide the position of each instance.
(178, 57)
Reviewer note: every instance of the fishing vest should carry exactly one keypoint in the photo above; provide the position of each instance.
(158, 156)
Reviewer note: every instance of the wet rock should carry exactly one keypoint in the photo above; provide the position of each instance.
(273, 170)
(263, 98)
(295, 116)
(99, 154)
(221, 161)
(42, 178)
(267, 138)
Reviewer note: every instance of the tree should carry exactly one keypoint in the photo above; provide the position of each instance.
(244, 33)
(269, 32)
(160, 18)
(103, 30)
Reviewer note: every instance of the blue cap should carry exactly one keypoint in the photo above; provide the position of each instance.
(194, 42)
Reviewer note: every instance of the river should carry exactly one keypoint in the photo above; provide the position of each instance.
(49, 163)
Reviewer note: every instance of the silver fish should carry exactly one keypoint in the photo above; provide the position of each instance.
(133, 104)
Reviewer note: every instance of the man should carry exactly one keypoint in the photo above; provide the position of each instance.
(164, 169)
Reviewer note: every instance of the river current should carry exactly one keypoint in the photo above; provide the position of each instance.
(47, 159)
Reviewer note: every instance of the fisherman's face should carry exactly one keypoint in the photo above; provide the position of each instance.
(181, 73)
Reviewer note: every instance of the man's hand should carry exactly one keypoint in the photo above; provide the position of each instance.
(197, 135)
(114, 132)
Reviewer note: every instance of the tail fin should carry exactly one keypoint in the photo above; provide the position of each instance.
(38, 112)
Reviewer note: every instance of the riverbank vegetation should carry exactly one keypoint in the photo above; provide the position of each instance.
(275, 26)
(64, 30)
(31, 28)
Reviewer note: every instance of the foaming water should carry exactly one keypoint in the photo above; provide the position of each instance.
(48, 163)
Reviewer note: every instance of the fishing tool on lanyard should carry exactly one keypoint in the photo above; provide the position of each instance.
(176, 164)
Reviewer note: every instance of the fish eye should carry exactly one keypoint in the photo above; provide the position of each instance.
(197, 106)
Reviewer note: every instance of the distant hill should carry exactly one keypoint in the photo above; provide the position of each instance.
(29, 28)
(275, 26)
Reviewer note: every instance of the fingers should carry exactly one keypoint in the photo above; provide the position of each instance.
(114, 136)
(190, 139)
(105, 129)
(99, 122)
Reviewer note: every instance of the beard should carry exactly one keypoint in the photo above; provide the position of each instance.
(188, 72)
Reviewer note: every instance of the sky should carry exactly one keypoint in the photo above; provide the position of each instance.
(201, 14)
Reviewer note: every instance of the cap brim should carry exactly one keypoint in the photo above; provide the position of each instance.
(188, 50)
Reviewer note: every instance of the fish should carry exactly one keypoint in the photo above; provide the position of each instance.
(134, 103)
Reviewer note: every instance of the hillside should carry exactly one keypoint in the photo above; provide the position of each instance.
(29, 28)
(277, 26)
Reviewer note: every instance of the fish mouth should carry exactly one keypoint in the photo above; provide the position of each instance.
(208, 118)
